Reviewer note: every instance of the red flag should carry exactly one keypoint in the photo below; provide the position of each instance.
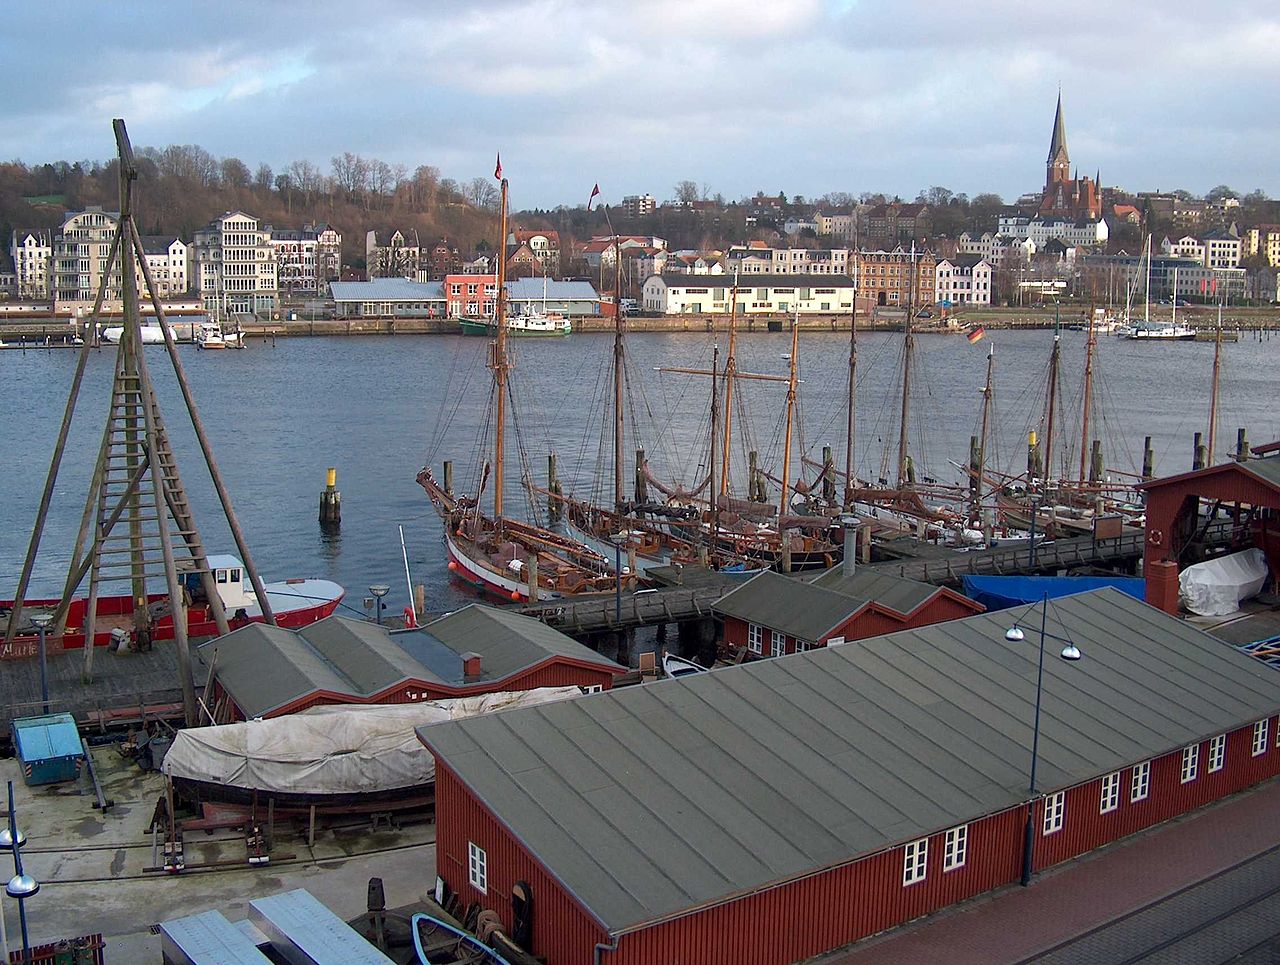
(1203, 285)
(1213, 286)
(594, 191)
(497, 171)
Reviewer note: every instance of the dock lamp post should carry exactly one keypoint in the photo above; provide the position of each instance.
(42, 621)
(1069, 653)
(21, 886)
(379, 590)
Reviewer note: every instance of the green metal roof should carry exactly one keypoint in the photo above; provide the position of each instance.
(645, 802)
(798, 609)
(895, 592)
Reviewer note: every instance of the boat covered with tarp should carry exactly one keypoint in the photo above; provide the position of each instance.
(1002, 592)
(1217, 587)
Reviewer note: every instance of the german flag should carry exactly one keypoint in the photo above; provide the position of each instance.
(976, 334)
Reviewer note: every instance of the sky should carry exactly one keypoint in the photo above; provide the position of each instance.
(796, 96)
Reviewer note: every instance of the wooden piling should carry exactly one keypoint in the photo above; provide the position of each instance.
(331, 502)
(448, 476)
(642, 484)
(1148, 459)
(553, 488)
(1095, 462)
(533, 579)
(1198, 452)
(420, 598)
(1242, 445)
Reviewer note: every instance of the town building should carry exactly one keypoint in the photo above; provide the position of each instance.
(1043, 230)
(602, 250)
(841, 226)
(32, 254)
(1188, 246)
(1067, 196)
(886, 277)
(575, 299)
(999, 251)
(773, 615)
(963, 280)
(389, 298)
(533, 251)
(80, 251)
(1263, 240)
(657, 261)
(639, 205)
(1222, 249)
(795, 224)
(898, 223)
(679, 294)
(755, 259)
(470, 296)
(263, 671)
(830, 795)
(169, 260)
(235, 266)
(307, 258)
(399, 256)
(1171, 277)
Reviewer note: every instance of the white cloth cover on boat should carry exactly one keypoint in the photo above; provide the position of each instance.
(338, 749)
(1215, 588)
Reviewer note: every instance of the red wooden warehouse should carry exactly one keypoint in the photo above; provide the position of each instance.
(263, 671)
(771, 615)
(772, 811)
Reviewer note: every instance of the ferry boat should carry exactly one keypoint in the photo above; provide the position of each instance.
(295, 603)
(532, 324)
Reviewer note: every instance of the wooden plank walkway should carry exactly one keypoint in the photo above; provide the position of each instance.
(644, 608)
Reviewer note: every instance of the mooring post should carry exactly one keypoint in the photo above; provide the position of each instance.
(1148, 459)
(1095, 462)
(1198, 452)
(331, 502)
(448, 476)
(786, 550)
(553, 488)
(1242, 445)
(533, 579)
(642, 484)
(420, 598)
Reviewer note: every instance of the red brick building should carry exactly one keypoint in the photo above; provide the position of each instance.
(470, 296)
(772, 615)
(263, 671)
(770, 812)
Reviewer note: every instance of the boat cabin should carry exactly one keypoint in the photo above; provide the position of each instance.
(230, 579)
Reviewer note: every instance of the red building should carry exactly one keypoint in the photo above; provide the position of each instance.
(770, 812)
(1065, 194)
(263, 671)
(470, 296)
(771, 615)
(1246, 492)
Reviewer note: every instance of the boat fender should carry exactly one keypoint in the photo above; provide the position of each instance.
(1155, 537)
(409, 621)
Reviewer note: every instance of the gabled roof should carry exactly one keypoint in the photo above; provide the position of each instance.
(801, 610)
(647, 802)
(896, 593)
(158, 244)
(1265, 470)
(388, 289)
(527, 289)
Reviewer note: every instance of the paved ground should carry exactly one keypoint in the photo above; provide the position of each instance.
(1120, 903)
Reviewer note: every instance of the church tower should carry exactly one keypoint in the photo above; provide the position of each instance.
(1058, 167)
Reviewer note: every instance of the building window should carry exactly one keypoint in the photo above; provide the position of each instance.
(777, 644)
(1140, 785)
(914, 858)
(803, 646)
(1054, 806)
(1110, 793)
(1217, 752)
(754, 634)
(954, 848)
(1260, 736)
(592, 688)
(1190, 762)
(477, 868)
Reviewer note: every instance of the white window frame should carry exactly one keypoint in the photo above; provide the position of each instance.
(755, 638)
(915, 861)
(592, 688)
(1140, 782)
(1217, 753)
(1110, 799)
(777, 643)
(477, 868)
(1260, 736)
(1190, 762)
(955, 848)
(1055, 806)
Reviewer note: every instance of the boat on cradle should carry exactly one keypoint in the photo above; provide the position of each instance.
(436, 942)
(211, 336)
(674, 666)
(295, 603)
(529, 325)
(151, 334)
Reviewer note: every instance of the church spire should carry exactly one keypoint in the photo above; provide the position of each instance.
(1059, 142)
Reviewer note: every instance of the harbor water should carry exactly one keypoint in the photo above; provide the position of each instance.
(379, 408)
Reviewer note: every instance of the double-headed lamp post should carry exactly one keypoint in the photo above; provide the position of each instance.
(21, 886)
(379, 590)
(1070, 653)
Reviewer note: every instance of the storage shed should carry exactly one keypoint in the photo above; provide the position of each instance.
(49, 748)
(775, 810)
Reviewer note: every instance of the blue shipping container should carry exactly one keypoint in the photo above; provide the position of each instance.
(48, 747)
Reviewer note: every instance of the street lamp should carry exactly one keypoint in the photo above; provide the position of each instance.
(21, 886)
(42, 621)
(379, 590)
(1070, 653)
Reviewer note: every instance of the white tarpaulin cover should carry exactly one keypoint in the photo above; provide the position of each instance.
(339, 749)
(1215, 588)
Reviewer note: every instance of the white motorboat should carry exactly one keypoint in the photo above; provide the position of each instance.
(211, 336)
(1162, 333)
(674, 666)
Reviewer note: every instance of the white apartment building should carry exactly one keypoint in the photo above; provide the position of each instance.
(169, 259)
(679, 294)
(80, 251)
(786, 261)
(1222, 249)
(235, 266)
(1188, 246)
(842, 226)
(1040, 230)
(308, 259)
(639, 205)
(397, 258)
(794, 225)
(963, 280)
(996, 250)
(32, 254)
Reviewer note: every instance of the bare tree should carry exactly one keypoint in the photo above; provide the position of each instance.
(482, 193)
(686, 191)
(263, 179)
(235, 173)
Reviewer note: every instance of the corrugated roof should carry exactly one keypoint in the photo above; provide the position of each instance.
(265, 667)
(1268, 470)
(386, 289)
(524, 289)
(746, 282)
(895, 592)
(798, 609)
(647, 801)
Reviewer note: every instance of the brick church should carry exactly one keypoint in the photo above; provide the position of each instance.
(1065, 196)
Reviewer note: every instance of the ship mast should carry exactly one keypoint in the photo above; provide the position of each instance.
(791, 405)
(849, 483)
(715, 501)
(1213, 391)
(1054, 359)
(730, 370)
(1146, 304)
(617, 371)
(908, 347)
(498, 361)
(982, 444)
(1087, 401)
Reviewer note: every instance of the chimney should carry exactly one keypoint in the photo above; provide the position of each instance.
(850, 562)
(470, 665)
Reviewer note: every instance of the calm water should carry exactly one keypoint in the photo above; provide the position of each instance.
(379, 408)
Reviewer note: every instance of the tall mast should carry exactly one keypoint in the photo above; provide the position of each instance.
(1087, 401)
(1213, 391)
(982, 444)
(1174, 319)
(715, 501)
(849, 483)
(1146, 304)
(1054, 358)
(730, 370)
(498, 361)
(791, 405)
(617, 373)
(908, 347)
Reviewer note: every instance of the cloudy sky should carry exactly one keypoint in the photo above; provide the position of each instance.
(800, 96)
